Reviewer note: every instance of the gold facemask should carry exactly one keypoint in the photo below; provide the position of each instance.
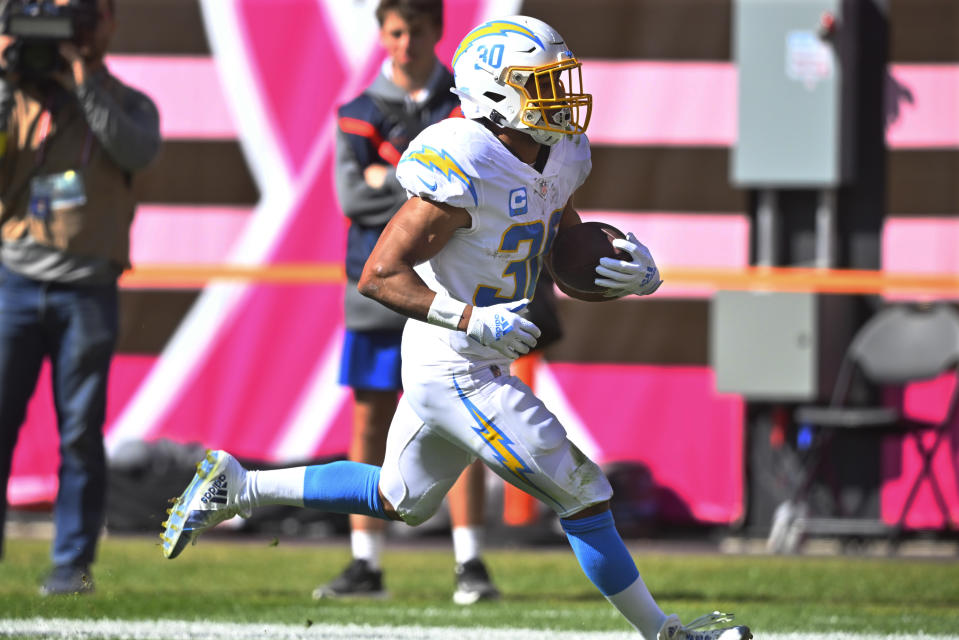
(553, 96)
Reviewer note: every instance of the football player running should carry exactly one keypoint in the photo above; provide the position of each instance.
(488, 194)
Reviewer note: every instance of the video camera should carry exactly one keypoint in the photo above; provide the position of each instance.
(38, 27)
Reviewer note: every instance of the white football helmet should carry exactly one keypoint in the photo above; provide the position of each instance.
(519, 73)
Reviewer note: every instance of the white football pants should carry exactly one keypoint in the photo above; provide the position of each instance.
(448, 418)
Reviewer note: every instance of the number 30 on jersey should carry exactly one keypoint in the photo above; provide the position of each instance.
(529, 242)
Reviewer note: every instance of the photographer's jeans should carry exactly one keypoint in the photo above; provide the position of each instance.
(76, 327)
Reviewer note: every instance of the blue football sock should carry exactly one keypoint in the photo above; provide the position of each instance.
(601, 553)
(344, 487)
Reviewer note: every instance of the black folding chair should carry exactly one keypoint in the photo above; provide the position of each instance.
(899, 345)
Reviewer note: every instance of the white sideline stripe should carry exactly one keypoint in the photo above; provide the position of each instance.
(161, 629)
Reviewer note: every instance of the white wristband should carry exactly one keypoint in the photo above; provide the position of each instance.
(446, 312)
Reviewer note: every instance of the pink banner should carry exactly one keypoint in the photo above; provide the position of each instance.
(636, 102)
(186, 90)
(922, 106)
(662, 103)
(157, 234)
(672, 420)
(643, 102)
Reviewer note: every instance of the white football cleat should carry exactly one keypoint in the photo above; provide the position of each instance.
(209, 499)
(673, 629)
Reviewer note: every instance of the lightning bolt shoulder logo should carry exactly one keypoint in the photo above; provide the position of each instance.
(494, 28)
(443, 163)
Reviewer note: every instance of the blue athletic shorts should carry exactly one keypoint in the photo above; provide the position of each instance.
(371, 360)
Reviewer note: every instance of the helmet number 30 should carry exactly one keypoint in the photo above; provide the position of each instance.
(492, 56)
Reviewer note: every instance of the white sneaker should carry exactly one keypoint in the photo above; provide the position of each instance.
(209, 499)
(673, 629)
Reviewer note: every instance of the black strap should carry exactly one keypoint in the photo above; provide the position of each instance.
(13, 195)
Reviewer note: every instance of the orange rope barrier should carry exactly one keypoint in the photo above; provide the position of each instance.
(800, 279)
(795, 279)
(169, 276)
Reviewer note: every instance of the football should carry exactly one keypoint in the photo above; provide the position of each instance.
(575, 255)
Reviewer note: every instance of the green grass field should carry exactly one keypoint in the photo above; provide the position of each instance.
(241, 580)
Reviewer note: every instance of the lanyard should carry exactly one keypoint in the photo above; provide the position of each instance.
(42, 125)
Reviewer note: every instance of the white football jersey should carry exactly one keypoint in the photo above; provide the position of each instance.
(515, 212)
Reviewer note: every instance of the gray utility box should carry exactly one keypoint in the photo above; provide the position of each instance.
(779, 347)
(793, 83)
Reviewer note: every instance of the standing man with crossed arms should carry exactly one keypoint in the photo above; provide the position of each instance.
(411, 92)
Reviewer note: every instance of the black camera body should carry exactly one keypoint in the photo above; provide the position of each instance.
(38, 27)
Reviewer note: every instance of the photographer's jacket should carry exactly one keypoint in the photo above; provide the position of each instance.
(66, 198)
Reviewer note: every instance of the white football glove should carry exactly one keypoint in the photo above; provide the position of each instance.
(501, 327)
(622, 277)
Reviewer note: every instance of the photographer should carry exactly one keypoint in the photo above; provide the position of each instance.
(73, 136)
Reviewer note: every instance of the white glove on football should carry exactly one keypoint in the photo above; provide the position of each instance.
(622, 277)
(501, 327)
